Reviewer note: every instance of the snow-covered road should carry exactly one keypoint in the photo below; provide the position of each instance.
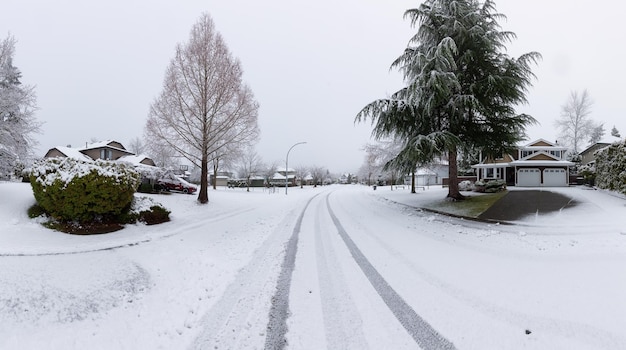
(366, 273)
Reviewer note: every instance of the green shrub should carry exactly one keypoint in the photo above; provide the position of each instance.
(495, 186)
(148, 211)
(155, 215)
(36, 211)
(611, 167)
(146, 188)
(75, 190)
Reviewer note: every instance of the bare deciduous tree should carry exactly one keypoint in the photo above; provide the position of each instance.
(575, 124)
(137, 146)
(163, 155)
(249, 164)
(204, 105)
(317, 173)
(301, 173)
(378, 157)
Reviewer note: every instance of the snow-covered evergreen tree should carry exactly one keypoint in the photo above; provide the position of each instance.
(462, 87)
(17, 113)
(615, 132)
(611, 167)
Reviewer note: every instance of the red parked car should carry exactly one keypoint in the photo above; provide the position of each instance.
(174, 183)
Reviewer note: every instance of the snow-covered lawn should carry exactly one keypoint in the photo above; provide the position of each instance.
(206, 279)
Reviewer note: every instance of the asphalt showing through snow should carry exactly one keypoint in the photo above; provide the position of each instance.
(422, 332)
(516, 205)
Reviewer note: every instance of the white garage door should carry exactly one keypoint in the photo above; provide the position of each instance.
(528, 177)
(554, 177)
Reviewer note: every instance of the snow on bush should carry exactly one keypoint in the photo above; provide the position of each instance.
(490, 186)
(611, 167)
(466, 185)
(76, 190)
(148, 211)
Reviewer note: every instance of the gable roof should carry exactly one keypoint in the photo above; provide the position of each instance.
(140, 159)
(68, 152)
(542, 144)
(107, 144)
(594, 147)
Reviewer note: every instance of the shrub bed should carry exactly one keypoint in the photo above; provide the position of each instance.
(75, 190)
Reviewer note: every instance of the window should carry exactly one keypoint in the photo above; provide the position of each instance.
(106, 154)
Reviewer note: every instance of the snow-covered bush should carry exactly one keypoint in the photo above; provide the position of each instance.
(490, 186)
(75, 190)
(466, 185)
(148, 211)
(588, 174)
(479, 186)
(611, 167)
(495, 186)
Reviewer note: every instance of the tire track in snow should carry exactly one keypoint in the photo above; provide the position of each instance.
(422, 332)
(277, 324)
(342, 322)
(234, 318)
(597, 338)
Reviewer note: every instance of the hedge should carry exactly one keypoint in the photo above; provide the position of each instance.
(75, 190)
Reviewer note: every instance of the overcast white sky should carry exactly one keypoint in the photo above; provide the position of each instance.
(312, 65)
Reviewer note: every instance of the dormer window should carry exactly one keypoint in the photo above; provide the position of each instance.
(526, 153)
(106, 154)
(556, 154)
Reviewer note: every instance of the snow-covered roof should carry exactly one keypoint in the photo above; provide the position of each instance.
(278, 176)
(491, 165)
(542, 162)
(424, 172)
(134, 159)
(533, 145)
(101, 144)
(73, 153)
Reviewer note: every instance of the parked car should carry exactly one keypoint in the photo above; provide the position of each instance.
(173, 183)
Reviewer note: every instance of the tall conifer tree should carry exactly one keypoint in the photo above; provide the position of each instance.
(462, 88)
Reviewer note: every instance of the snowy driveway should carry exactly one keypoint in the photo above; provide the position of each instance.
(367, 273)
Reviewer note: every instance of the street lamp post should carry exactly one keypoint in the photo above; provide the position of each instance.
(287, 166)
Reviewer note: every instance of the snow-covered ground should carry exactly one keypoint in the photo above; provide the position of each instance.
(370, 272)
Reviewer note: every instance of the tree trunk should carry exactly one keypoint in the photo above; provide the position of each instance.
(203, 195)
(453, 176)
(413, 181)
(215, 174)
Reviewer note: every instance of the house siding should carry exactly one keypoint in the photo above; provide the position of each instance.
(54, 153)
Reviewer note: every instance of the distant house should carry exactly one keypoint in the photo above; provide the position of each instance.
(66, 152)
(137, 160)
(107, 150)
(423, 177)
(539, 163)
(219, 180)
(587, 157)
(281, 176)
